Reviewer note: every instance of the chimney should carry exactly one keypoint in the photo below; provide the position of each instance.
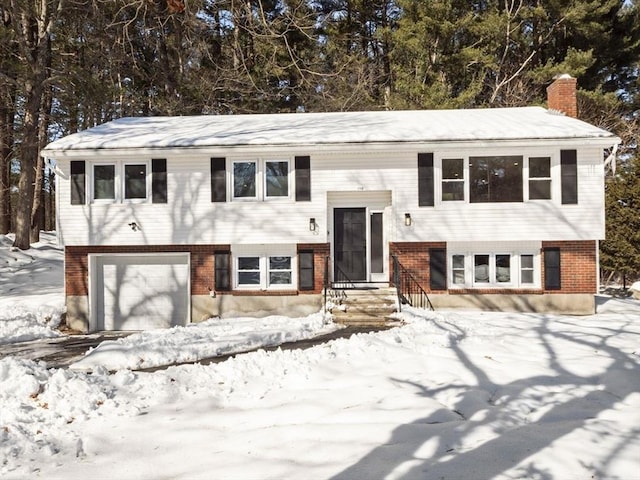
(561, 95)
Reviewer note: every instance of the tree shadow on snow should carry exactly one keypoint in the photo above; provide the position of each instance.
(486, 432)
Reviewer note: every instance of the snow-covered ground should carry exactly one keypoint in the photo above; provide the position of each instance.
(449, 395)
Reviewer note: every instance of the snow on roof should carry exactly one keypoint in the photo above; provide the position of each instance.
(289, 129)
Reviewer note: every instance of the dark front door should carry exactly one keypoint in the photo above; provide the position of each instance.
(350, 244)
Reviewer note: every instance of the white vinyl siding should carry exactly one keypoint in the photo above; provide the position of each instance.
(191, 218)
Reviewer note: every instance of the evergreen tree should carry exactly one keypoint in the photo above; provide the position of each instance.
(620, 252)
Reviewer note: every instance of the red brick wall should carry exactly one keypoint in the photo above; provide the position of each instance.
(76, 272)
(76, 268)
(578, 272)
(561, 96)
(577, 267)
(414, 256)
(320, 252)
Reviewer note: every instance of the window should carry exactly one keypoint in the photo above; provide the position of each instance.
(503, 268)
(526, 269)
(277, 179)
(104, 182)
(492, 269)
(253, 180)
(264, 271)
(481, 269)
(244, 179)
(457, 269)
(248, 271)
(495, 179)
(135, 181)
(279, 270)
(452, 179)
(504, 265)
(119, 181)
(539, 178)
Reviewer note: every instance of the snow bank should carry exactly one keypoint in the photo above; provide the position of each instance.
(208, 339)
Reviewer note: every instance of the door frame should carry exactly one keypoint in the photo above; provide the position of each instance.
(369, 276)
(96, 280)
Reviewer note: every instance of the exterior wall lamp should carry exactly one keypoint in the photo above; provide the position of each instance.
(312, 224)
(134, 226)
(407, 219)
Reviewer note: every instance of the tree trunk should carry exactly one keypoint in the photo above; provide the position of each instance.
(6, 154)
(37, 209)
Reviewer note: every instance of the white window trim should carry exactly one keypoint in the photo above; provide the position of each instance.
(119, 179)
(463, 180)
(264, 179)
(515, 267)
(92, 174)
(261, 180)
(147, 165)
(256, 180)
(528, 178)
(263, 252)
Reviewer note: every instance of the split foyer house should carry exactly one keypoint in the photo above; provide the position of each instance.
(169, 220)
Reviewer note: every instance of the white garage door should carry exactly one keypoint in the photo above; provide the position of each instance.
(141, 292)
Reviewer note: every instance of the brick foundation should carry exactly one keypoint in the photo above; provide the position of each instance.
(76, 266)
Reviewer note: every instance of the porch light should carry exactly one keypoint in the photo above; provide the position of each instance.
(312, 224)
(407, 219)
(134, 226)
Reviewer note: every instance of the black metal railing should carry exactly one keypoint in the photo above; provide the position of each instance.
(334, 288)
(409, 290)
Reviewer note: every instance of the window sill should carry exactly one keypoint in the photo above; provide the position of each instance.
(496, 290)
(262, 293)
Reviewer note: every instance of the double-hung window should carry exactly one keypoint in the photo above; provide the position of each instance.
(539, 178)
(452, 179)
(265, 270)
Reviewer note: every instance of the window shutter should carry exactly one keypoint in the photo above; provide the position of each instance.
(218, 180)
(437, 269)
(425, 180)
(159, 180)
(78, 188)
(552, 269)
(223, 271)
(305, 271)
(303, 179)
(569, 174)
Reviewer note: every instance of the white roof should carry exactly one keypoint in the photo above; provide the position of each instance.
(290, 129)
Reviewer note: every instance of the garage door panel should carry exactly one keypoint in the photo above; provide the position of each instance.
(143, 292)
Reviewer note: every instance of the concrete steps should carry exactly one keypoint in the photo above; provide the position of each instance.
(365, 307)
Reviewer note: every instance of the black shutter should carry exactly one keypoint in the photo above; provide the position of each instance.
(303, 179)
(223, 271)
(159, 180)
(552, 269)
(305, 270)
(218, 180)
(569, 174)
(78, 189)
(437, 269)
(425, 180)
